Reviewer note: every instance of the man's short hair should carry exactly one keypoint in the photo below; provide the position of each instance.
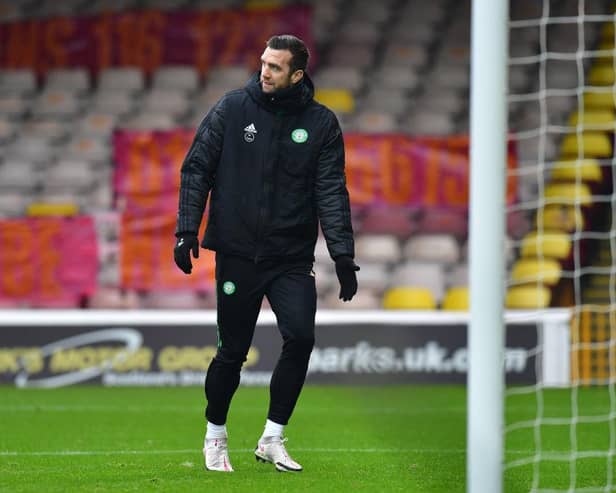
(299, 52)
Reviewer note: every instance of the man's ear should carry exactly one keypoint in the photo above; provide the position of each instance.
(297, 76)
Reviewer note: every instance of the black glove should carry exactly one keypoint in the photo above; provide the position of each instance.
(181, 253)
(345, 270)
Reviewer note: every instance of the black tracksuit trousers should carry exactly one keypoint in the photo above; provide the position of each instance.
(240, 287)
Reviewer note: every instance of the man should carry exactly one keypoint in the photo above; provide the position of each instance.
(273, 160)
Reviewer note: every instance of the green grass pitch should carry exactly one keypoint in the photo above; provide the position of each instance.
(377, 439)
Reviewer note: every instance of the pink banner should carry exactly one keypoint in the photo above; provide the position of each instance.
(47, 261)
(150, 38)
(389, 169)
(146, 182)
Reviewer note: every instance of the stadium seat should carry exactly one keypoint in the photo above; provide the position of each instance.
(69, 175)
(361, 31)
(597, 119)
(127, 79)
(409, 298)
(339, 77)
(392, 101)
(94, 124)
(228, 76)
(19, 175)
(29, 148)
(12, 203)
(601, 75)
(176, 77)
(14, 106)
(568, 193)
(400, 54)
(377, 248)
(338, 100)
(355, 55)
(373, 276)
(112, 102)
(42, 209)
(56, 103)
(560, 217)
(51, 130)
(531, 270)
(8, 130)
(76, 80)
(442, 248)
(594, 144)
(17, 81)
(150, 121)
(588, 170)
(456, 298)
(555, 245)
(88, 148)
(598, 100)
(430, 276)
(457, 275)
(170, 101)
(527, 297)
(396, 77)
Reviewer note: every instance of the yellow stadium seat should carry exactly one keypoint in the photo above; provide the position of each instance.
(530, 270)
(336, 99)
(595, 119)
(599, 100)
(45, 209)
(456, 298)
(607, 46)
(568, 193)
(601, 75)
(529, 296)
(591, 144)
(607, 32)
(548, 244)
(588, 170)
(409, 298)
(559, 217)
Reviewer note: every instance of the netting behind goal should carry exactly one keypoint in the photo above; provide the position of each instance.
(561, 99)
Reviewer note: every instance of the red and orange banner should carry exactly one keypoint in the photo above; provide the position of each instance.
(396, 169)
(146, 182)
(149, 38)
(47, 261)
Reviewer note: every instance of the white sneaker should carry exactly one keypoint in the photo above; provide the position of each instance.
(216, 455)
(271, 449)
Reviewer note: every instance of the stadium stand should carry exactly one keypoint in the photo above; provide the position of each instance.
(392, 67)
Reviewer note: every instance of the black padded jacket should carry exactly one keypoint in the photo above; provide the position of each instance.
(274, 166)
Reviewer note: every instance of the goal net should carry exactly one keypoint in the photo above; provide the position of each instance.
(561, 100)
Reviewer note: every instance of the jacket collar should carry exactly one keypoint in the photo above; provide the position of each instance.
(289, 100)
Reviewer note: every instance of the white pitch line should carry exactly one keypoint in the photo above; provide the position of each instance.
(191, 409)
(59, 453)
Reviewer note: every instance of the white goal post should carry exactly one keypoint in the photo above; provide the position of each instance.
(488, 129)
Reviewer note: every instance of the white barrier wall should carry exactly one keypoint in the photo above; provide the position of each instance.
(50, 348)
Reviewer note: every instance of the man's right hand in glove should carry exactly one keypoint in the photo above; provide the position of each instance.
(185, 243)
